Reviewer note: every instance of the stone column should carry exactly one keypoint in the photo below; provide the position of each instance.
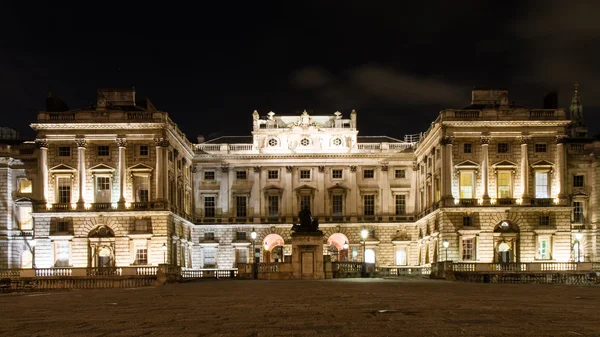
(353, 193)
(255, 194)
(81, 144)
(484, 168)
(446, 146)
(43, 168)
(425, 187)
(122, 144)
(432, 154)
(524, 170)
(288, 193)
(414, 190)
(225, 192)
(560, 167)
(320, 198)
(174, 202)
(384, 191)
(162, 183)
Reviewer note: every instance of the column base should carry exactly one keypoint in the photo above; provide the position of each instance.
(80, 205)
(486, 200)
(525, 200)
(121, 205)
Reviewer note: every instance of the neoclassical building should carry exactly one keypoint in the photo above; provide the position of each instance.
(118, 184)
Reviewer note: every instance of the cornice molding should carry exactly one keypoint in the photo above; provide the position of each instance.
(109, 126)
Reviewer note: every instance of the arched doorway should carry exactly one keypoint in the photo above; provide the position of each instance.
(338, 247)
(273, 248)
(102, 247)
(506, 242)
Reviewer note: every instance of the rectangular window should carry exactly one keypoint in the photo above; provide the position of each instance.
(210, 255)
(141, 187)
(540, 147)
(240, 205)
(337, 205)
(62, 253)
(467, 148)
(336, 174)
(64, 151)
(466, 185)
(64, 190)
(468, 249)
(370, 255)
(209, 236)
(429, 162)
(467, 221)
(401, 256)
(354, 254)
(241, 255)
(400, 174)
(141, 225)
(209, 207)
(102, 190)
(577, 211)
(241, 175)
(368, 174)
(400, 204)
(544, 251)
(209, 175)
(25, 219)
(144, 151)
(141, 256)
(102, 151)
(578, 181)
(272, 174)
(504, 185)
(273, 205)
(62, 226)
(304, 174)
(503, 148)
(170, 156)
(541, 185)
(25, 186)
(544, 220)
(305, 202)
(369, 204)
(240, 236)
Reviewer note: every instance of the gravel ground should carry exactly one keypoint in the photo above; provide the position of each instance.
(350, 307)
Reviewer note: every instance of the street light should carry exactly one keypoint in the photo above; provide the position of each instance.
(345, 246)
(446, 244)
(579, 237)
(32, 244)
(164, 249)
(364, 233)
(253, 236)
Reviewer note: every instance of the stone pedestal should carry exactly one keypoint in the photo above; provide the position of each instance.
(307, 255)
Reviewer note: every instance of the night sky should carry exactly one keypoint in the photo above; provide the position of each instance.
(211, 65)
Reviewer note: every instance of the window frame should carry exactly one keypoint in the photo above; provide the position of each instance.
(368, 208)
(101, 148)
(59, 148)
(371, 170)
(271, 173)
(206, 176)
(500, 147)
(577, 177)
(539, 146)
(470, 146)
(304, 172)
(19, 187)
(333, 174)
(239, 173)
(399, 173)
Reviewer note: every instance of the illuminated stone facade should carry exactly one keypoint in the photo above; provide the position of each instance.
(500, 183)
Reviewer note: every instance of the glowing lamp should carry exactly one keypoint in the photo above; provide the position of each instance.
(253, 234)
(364, 234)
(345, 245)
(446, 244)
(578, 236)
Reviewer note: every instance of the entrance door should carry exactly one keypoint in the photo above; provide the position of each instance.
(504, 252)
(104, 259)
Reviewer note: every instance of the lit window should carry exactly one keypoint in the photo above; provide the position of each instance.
(468, 249)
(400, 174)
(64, 151)
(541, 185)
(273, 205)
(64, 190)
(401, 256)
(241, 255)
(578, 212)
(103, 151)
(540, 147)
(578, 181)
(25, 219)
(544, 250)
(336, 174)
(304, 174)
(209, 175)
(141, 187)
(209, 257)
(102, 189)
(504, 185)
(466, 185)
(273, 174)
(337, 204)
(370, 255)
(62, 254)
(25, 186)
(368, 174)
(503, 148)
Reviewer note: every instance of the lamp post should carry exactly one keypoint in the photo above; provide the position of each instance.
(346, 249)
(254, 269)
(446, 244)
(164, 249)
(32, 244)
(579, 237)
(364, 233)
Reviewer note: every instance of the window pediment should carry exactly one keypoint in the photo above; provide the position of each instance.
(542, 164)
(305, 188)
(22, 200)
(272, 189)
(505, 164)
(102, 168)
(140, 168)
(467, 165)
(62, 168)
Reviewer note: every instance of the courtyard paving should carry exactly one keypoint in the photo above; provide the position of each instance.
(349, 307)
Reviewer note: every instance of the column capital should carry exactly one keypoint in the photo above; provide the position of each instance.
(256, 169)
(121, 142)
(289, 169)
(485, 140)
(41, 143)
(224, 169)
(81, 142)
(447, 140)
(415, 166)
(524, 139)
(353, 168)
(560, 139)
(161, 142)
(321, 168)
(384, 168)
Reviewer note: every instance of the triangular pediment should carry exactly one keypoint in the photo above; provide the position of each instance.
(580, 194)
(102, 167)
(337, 187)
(272, 188)
(62, 167)
(305, 187)
(140, 167)
(542, 163)
(467, 164)
(505, 163)
(22, 200)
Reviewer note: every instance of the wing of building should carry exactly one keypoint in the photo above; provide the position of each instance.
(118, 184)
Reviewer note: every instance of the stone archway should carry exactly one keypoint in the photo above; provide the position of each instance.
(273, 248)
(102, 247)
(336, 243)
(506, 242)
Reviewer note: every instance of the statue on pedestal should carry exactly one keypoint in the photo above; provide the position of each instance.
(307, 222)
